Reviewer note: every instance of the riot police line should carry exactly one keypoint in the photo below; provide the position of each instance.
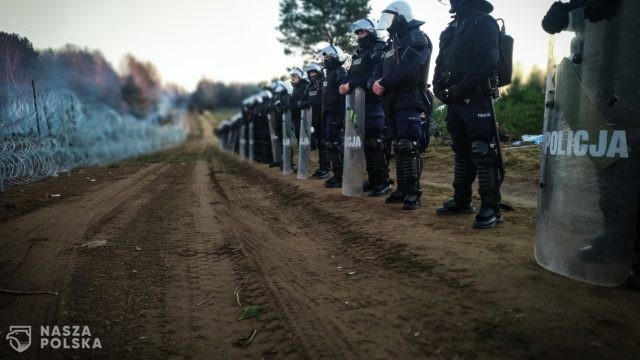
(588, 218)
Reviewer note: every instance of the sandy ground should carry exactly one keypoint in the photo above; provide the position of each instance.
(194, 237)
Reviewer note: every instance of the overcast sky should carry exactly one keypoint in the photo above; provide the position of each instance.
(226, 40)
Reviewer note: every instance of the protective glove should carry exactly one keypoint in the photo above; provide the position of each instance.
(557, 18)
(452, 94)
(597, 10)
(441, 93)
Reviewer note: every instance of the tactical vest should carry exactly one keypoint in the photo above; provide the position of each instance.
(362, 62)
(390, 60)
(362, 66)
(314, 92)
(331, 96)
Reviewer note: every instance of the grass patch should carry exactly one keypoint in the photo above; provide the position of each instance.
(250, 312)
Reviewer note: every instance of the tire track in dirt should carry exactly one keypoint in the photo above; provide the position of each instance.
(39, 253)
(249, 241)
(461, 293)
(288, 230)
(414, 287)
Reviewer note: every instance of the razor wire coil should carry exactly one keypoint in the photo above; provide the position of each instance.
(64, 134)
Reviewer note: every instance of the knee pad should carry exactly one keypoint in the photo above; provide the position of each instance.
(374, 144)
(407, 146)
(484, 154)
(328, 145)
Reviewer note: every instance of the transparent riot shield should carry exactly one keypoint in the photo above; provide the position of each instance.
(304, 144)
(287, 136)
(243, 142)
(354, 161)
(251, 143)
(587, 223)
(235, 131)
(229, 140)
(273, 132)
(223, 140)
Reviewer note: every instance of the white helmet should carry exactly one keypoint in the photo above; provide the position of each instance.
(396, 11)
(265, 95)
(282, 86)
(313, 67)
(298, 72)
(364, 24)
(334, 52)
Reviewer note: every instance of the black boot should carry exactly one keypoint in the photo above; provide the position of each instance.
(397, 197)
(414, 190)
(408, 169)
(368, 184)
(464, 173)
(323, 156)
(453, 206)
(488, 187)
(377, 168)
(335, 157)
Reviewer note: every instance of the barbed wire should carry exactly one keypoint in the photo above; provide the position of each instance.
(64, 134)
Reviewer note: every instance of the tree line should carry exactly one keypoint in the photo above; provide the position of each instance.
(87, 73)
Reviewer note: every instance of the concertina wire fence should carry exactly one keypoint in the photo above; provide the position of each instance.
(54, 132)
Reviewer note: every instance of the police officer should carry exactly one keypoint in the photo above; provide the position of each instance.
(466, 64)
(263, 138)
(296, 103)
(333, 110)
(313, 99)
(364, 60)
(281, 102)
(400, 79)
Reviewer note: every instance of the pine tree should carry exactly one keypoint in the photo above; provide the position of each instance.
(305, 23)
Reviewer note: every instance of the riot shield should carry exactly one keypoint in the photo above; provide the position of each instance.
(228, 140)
(243, 142)
(304, 144)
(251, 143)
(287, 136)
(354, 161)
(273, 132)
(235, 134)
(587, 223)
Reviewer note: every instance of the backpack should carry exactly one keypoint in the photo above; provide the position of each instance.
(505, 61)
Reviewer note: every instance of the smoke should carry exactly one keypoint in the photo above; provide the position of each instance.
(67, 108)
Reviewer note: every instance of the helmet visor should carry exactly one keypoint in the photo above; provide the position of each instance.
(386, 20)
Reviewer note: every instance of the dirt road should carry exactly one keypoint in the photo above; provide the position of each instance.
(188, 239)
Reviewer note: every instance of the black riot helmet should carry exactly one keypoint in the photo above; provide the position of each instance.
(460, 5)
